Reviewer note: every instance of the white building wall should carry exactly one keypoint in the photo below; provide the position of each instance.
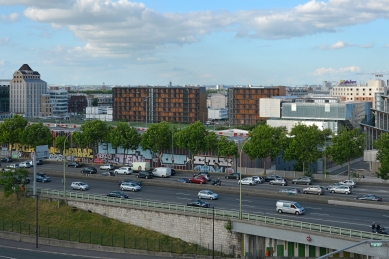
(218, 101)
(269, 108)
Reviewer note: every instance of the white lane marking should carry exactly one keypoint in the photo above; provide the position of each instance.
(182, 198)
(244, 200)
(179, 193)
(319, 214)
(312, 208)
(385, 216)
(248, 206)
(7, 257)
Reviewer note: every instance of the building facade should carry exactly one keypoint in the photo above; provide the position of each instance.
(243, 103)
(4, 95)
(154, 104)
(77, 104)
(26, 89)
(59, 102)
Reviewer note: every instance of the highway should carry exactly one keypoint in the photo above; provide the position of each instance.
(319, 213)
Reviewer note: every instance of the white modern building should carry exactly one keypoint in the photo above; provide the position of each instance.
(59, 102)
(99, 113)
(26, 89)
(217, 107)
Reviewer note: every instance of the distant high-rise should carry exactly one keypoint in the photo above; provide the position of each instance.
(26, 90)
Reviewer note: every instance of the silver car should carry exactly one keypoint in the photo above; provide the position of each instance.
(207, 194)
(279, 181)
(79, 186)
(25, 165)
(341, 189)
(130, 187)
(258, 179)
(107, 167)
(349, 183)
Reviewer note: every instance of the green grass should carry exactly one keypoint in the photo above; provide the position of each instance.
(59, 221)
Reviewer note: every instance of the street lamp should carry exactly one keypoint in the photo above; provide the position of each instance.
(36, 219)
(213, 232)
(64, 165)
(324, 155)
(172, 150)
(240, 180)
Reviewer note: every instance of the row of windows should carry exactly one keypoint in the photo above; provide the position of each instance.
(357, 89)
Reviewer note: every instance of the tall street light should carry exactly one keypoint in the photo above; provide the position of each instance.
(240, 180)
(213, 232)
(64, 165)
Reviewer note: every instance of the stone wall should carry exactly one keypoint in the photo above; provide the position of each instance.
(188, 227)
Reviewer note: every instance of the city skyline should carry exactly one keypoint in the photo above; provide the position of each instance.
(152, 42)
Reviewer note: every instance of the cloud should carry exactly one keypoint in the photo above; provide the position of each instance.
(13, 17)
(330, 70)
(387, 46)
(367, 46)
(337, 45)
(4, 41)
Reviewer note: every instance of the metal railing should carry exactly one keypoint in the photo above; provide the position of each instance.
(343, 232)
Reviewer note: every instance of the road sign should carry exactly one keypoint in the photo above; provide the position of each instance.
(42, 152)
(375, 244)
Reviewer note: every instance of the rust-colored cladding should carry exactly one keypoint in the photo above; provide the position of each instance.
(157, 104)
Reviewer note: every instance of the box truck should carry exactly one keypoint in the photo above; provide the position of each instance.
(140, 166)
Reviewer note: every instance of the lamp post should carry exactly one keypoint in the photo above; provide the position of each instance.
(172, 151)
(324, 155)
(213, 232)
(36, 219)
(240, 180)
(64, 165)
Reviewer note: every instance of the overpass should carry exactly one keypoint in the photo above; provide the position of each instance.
(252, 235)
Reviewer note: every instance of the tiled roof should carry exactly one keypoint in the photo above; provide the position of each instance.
(25, 67)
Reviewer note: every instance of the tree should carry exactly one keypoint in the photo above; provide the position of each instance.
(382, 146)
(192, 138)
(346, 146)
(11, 129)
(61, 141)
(12, 179)
(124, 136)
(93, 133)
(211, 142)
(226, 147)
(265, 141)
(36, 135)
(95, 102)
(302, 145)
(157, 138)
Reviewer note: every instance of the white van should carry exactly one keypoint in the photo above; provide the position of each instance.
(162, 172)
(289, 207)
(143, 166)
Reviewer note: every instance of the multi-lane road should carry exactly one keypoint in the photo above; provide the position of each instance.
(319, 213)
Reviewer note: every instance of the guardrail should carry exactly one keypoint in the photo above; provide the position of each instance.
(342, 232)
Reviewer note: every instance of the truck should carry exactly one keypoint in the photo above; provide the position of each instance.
(140, 166)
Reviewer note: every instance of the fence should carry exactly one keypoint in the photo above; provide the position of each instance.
(253, 218)
(149, 244)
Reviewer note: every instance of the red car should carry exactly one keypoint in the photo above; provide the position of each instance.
(198, 179)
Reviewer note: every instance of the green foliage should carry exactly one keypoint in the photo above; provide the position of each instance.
(346, 146)
(211, 141)
(157, 138)
(60, 142)
(228, 225)
(226, 147)
(11, 129)
(265, 141)
(79, 139)
(93, 132)
(124, 136)
(95, 102)
(382, 146)
(303, 144)
(35, 135)
(12, 179)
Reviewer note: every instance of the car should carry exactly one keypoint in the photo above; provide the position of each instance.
(145, 174)
(25, 165)
(369, 197)
(290, 191)
(79, 186)
(333, 185)
(130, 187)
(279, 181)
(340, 189)
(198, 203)
(350, 183)
(107, 167)
(130, 181)
(207, 194)
(205, 175)
(173, 172)
(314, 189)
(38, 162)
(182, 180)
(88, 170)
(74, 164)
(302, 180)
(118, 194)
(232, 176)
(272, 177)
(42, 178)
(247, 180)
(6, 159)
(198, 179)
(123, 170)
(108, 174)
(258, 179)
(13, 166)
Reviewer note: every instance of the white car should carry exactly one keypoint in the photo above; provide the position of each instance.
(340, 189)
(106, 167)
(248, 180)
(79, 186)
(130, 187)
(349, 183)
(123, 170)
(207, 194)
(25, 165)
(258, 179)
(13, 166)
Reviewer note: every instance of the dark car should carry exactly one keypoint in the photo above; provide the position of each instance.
(6, 159)
(130, 181)
(108, 174)
(369, 197)
(182, 180)
(39, 162)
(173, 172)
(89, 170)
(43, 178)
(272, 177)
(144, 174)
(74, 164)
(233, 176)
(118, 194)
(198, 203)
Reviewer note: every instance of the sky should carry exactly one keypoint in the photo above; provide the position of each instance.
(202, 42)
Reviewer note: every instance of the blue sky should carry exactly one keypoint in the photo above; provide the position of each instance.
(269, 42)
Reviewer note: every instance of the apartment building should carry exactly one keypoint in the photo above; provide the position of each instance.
(4, 95)
(26, 89)
(154, 104)
(243, 103)
(77, 103)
